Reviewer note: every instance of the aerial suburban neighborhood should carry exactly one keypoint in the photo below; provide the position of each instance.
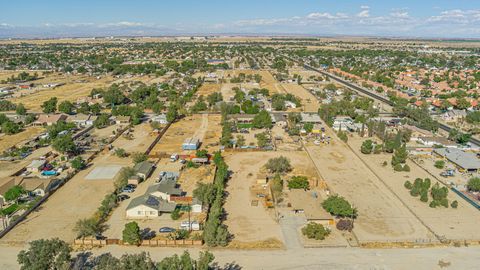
(126, 146)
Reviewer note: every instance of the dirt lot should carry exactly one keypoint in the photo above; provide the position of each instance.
(142, 138)
(309, 102)
(381, 216)
(7, 141)
(204, 127)
(268, 81)
(254, 225)
(461, 223)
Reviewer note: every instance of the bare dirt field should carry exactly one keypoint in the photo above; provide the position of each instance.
(456, 224)
(309, 102)
(204, 127)
(381, 216)
(254, 226)
(7, 141)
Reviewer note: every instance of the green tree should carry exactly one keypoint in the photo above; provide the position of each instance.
(139, 157)
(278, 165)
(367, 147)
(122, 179)
(64, 144)
(10, 128)
(262, 120)
(45, 254)
(400, 156)
(308, 127)
(66, 107)
(87, 227)
(240, 140)
(21, 110)
(204, 261)
(14, 193)
(102, 121)
(50, 106)
(131, 233)
(262, 139)
(201, 153)
(172, 113)
(205, 193)
(78, 163)
(339, 206)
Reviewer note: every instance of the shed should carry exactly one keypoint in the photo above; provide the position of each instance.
(35, 165)
(191, 144)
(143, 169)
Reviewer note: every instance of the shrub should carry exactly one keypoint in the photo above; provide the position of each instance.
(398, 168)
(440, 164)
(315, 231)
(408, 185)
(424, 196)
(454, 204)
(120, 152)
(139, 157)
(175, 215)
(367, 147)
(474, 184)
(131, 233)
(406, 168)
(345, 225)
(298, 182)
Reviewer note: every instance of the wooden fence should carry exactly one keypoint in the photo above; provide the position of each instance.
(145, 243)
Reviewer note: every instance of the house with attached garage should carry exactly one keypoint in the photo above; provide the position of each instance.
(148, 206)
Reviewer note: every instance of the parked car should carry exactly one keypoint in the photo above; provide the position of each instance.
(122, 197)
(128, 189)
(166, 230)
(131, 186)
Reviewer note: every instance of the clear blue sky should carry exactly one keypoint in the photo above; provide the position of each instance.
(442, 18)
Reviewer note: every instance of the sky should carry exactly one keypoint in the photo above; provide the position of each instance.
(79, 18)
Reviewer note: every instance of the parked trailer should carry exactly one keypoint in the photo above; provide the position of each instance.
(191, 144)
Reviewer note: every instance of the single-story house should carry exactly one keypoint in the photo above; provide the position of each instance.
(122, 120)
(242, 118)
(464, 161)
(148, 206)
(49, 119)
(82, 120)
(35, 166)
(161, 119)
(279, 118)
(165, 190)
(313, 118)
(454, 115)
(143, 169)
(432, 141)
(341, 122)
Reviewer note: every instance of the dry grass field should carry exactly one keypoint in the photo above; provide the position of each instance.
(209, 88)
(308, 100)
(7, 141)
(71, 91)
